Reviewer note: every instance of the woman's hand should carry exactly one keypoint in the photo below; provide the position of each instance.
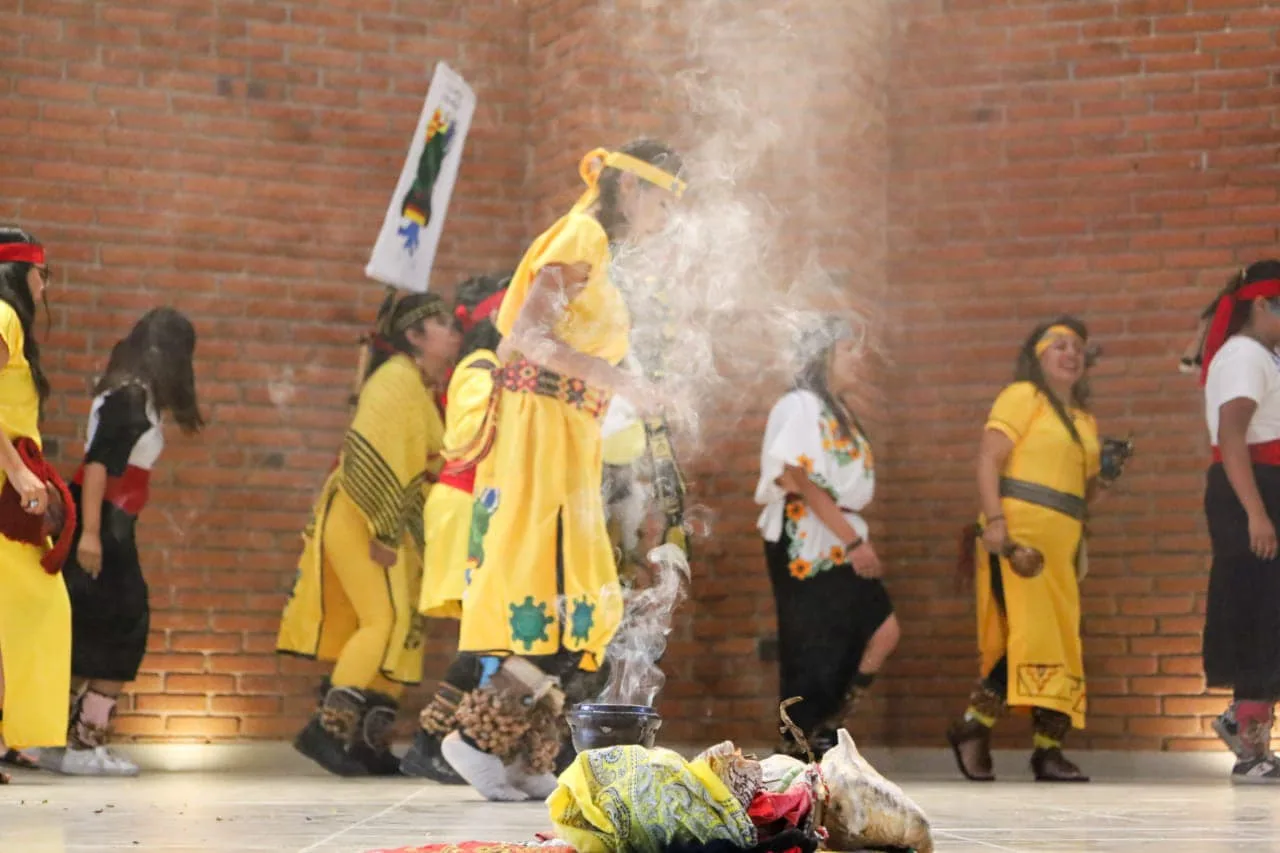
(1262, 536)
(382, 555)
(994, 536)
(865, 562)
(89, 554)
(31, 490)
(793, 480)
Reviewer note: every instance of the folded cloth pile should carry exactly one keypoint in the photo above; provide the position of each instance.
(628, 799)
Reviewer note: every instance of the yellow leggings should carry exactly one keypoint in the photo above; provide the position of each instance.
(364, 583)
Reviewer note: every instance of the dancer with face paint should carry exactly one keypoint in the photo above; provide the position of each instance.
(544, 599)
(1242, 504)
(1039, 468)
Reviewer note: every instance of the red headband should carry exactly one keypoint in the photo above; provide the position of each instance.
(22, 253)
(1217, 335)
(488, 307)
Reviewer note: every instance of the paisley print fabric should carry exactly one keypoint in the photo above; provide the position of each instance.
(631, 799)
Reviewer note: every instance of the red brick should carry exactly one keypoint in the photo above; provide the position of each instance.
(203, 727)
(1020, 184)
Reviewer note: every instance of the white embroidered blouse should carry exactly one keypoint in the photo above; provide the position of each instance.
(803, 432)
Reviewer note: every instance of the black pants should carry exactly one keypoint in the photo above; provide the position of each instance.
(824, 624)
(1242, 616)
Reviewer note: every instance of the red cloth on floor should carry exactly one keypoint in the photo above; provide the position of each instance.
(778, 812)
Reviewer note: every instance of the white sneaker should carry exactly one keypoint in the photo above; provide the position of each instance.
(1257, 771)
(99, 761)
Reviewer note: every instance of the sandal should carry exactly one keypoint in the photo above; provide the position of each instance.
(19, 759)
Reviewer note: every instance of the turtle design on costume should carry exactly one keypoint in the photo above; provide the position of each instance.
(582, 620)
(529, 622)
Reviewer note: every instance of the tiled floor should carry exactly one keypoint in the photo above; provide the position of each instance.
(307, 813)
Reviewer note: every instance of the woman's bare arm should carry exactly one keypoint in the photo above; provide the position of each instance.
(1233, 428)
(814, 497)
(993, 455)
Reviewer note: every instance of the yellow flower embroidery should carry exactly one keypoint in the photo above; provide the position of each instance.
(837, 554)
(805, 462)
(799, 568)
(796, 511)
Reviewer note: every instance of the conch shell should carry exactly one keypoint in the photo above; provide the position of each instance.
(867, 810)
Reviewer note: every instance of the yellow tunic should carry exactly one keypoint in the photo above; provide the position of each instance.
(390, 456)
(35, 612)
(448, 512)
(1040, 628)
(546, 579)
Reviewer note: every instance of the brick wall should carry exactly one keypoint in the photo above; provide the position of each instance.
(1114, 159)
(235, 159)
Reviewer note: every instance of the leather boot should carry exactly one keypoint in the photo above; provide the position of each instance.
(971, 743)
(970, 736)
(1047, 761)
(328, 738)
(372, 747)
(425, 758)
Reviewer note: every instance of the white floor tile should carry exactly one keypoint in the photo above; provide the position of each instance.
(309, 813)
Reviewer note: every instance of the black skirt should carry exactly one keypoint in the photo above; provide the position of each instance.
(1242, 619)
(110, 615)
(824, 623)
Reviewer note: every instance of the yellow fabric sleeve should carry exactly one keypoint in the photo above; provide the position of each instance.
(11, 333)
(385, 451)
(582, 240)
(1014, 410)
(469, 393)
(577, 238)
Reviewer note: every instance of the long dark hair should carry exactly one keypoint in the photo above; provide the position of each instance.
(16, 292)
(159, 352)
(483, 333)
(814, 377)
(398, 317)
(651, 151)
(1029, 370)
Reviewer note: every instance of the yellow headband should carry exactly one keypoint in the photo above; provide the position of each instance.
(1052, 334)
(596, 161)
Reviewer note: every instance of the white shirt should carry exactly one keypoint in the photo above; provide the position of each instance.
(804, 433)
(1244, 369)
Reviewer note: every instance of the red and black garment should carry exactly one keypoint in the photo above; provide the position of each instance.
(111, 614)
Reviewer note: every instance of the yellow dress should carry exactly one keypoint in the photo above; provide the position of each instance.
(35, 612)
(389, 459)
(1040, 635)
(546, 579)
(447, 520)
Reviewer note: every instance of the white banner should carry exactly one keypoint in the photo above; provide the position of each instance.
(406, 246)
